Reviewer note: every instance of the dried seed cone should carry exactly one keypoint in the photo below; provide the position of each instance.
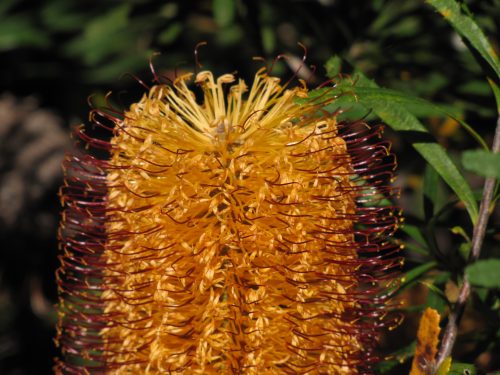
(236, 235)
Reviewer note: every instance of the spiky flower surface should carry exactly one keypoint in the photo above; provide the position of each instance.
(236, 235)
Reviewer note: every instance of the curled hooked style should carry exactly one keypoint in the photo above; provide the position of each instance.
(238, 233)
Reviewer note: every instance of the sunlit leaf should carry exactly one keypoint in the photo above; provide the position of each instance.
(445, 367)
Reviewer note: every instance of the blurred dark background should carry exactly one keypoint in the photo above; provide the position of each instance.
(55, 53)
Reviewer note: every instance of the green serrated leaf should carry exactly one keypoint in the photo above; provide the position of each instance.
(484, 273)
(223, 11)
(389, 106)
(467, 28)
(482, 162)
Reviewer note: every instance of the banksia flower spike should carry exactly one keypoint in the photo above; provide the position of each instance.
(239, 233)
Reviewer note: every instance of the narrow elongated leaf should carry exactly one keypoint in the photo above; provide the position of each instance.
(417, 107)
(467, 28)
(445, 367)
(484, 273)
(496, 92)
(389, 106)
(414, 274)
(415, 233)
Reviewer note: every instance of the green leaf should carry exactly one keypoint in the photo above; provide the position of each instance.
(475, 87)
(414, 232)
(436, 155)
(231, 35)
(268, 39)
(414, 274)
(62, 15)
(114, 69)
(482, 162)
(436, 299)
(19, 31)
(462, 369)
(496, 93)
(170, 34)
(467, 28)
(484, 273)
(333, 66)
(104, 36)
(445, 367)
(389, 105)
(223, 11)
(415, 106)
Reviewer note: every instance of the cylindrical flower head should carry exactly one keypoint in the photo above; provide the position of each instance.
(240, 233)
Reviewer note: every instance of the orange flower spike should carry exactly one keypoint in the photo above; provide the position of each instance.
(236, 235)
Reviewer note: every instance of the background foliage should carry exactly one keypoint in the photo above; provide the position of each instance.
(56, 53)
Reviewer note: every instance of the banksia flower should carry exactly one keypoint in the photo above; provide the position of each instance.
(236, 233)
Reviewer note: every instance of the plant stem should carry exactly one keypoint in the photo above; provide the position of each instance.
(450, 333)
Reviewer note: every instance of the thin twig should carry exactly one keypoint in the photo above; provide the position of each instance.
(450, 333)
